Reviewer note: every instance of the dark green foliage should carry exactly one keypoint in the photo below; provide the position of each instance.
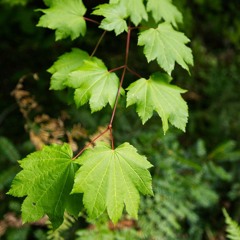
(103, 230)
(9, 156)
(14, 2)
(195, 174)
(58, 234)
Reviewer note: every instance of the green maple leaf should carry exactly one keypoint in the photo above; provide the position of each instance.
(47, 2)
(66, 17)
(110, 179)
(135, 10)
(167, 46)
(114, 17)
(46, 180)
(157, 94)
(66, 64)
(94, 83)
(164, 9)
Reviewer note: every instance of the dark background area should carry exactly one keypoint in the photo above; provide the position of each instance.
(196, 173)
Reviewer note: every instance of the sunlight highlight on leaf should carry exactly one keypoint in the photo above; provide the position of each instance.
(66, 64)
(164, 9)
(66, 17)
(94, 83)
(115, 15)
(46, 180)
(110, 179)
(157, 94)
(167, 46)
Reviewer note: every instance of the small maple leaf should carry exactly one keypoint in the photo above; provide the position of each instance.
(66, 17)
(167, 46)
(157, 94)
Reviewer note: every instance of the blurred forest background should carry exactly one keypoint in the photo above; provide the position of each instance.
(196, 174)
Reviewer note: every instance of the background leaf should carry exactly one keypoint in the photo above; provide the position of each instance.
(233, 229)
(164, 9)
(8, 149)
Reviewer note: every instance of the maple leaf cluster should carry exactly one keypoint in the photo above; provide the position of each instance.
(105, 178)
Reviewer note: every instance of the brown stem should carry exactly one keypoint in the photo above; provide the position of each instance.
(98, 43)
(117, 68)
(124, 67)
(90, 143)
(133, 72)
(118, 95)
(123, 75)
(91, 20)
(127, 45)
(111, 135)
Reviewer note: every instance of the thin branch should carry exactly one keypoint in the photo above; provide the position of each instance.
(124, 67)
(140, 27)
(117, 97)
(133, 72)
(123, 75)
(90, 143)
(127, 45)
(98, 43)
(117, 68)
(111, 135)
(91, 20)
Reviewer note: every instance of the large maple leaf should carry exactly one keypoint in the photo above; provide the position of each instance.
(46, 180)
(110, 179)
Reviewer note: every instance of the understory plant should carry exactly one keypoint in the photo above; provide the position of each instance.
(102, 177)
(233, 228)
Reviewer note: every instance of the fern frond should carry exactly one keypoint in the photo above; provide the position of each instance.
(57, 234)
(8, 150)
(233, 228)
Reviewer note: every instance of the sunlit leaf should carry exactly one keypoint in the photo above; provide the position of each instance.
(167, 46)
(164, 9)
(114, 17)
(135, 10)
(66, 17)
(46, 180)
(156, 94)
(94, 83)
(110, 179)
(66, 64)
